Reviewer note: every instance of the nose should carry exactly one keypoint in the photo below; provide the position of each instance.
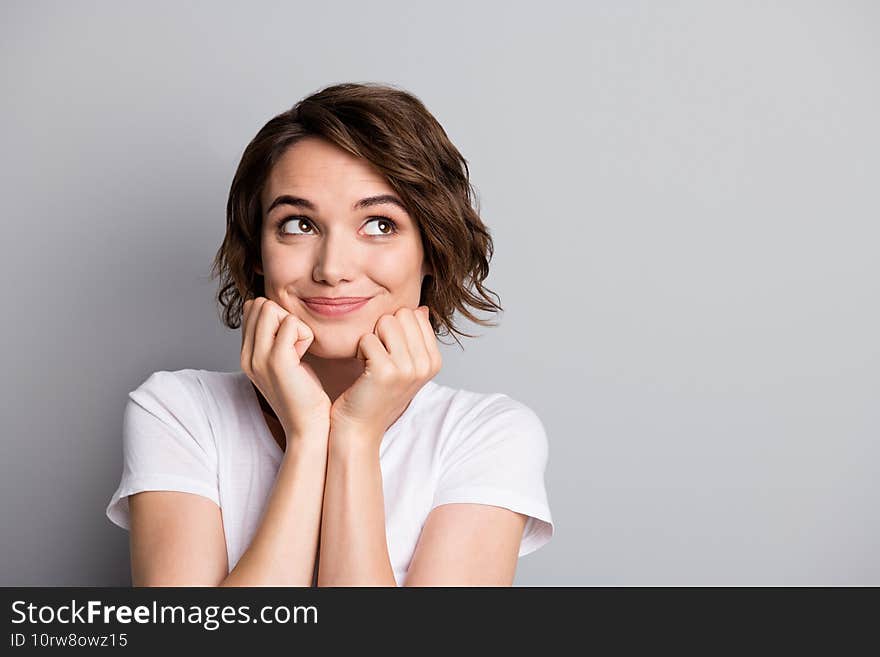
(335, 260)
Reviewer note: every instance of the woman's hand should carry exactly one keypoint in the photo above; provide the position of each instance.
(273, 342)
(400, 356)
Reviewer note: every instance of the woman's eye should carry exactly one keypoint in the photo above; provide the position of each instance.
(384, 225)
(298, 222)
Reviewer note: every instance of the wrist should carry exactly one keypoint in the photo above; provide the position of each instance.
(316, 434)
(349, 441)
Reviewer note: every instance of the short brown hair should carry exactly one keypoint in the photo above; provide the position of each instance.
(394, 131)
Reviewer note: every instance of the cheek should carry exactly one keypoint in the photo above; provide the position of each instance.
(396, 268)
(281, 268)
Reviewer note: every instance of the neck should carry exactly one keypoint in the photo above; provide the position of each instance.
(335, 374)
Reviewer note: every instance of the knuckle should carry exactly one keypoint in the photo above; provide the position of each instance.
(386, 375)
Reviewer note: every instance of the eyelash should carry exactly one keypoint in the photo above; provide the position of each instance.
(280, 224)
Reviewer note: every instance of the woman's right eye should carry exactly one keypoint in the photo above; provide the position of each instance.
(297, 222)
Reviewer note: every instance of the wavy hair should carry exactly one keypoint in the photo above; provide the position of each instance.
(393, 130)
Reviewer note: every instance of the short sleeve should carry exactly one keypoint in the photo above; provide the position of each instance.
(167, 443)
(499, 457)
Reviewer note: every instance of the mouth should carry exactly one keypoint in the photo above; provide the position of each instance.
(335, 307)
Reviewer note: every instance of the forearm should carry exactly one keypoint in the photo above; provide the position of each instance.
(353, 550)
(285, 545)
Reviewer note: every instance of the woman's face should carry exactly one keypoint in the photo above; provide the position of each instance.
(317, 241)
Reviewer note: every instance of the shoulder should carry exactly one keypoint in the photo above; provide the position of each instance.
(474, 409)
(174, 404)
(164, 381)
(468, 405)
(181, 397)
(483, 419)
(189, 384)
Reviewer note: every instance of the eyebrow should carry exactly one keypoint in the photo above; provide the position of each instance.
(296, 201)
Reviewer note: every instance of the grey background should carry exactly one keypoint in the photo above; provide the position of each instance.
(683, 198)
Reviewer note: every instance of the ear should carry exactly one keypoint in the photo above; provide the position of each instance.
(258, 269)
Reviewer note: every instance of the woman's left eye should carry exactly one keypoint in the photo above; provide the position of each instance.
(384, 224)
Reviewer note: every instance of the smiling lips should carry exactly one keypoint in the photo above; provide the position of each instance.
(334, 307)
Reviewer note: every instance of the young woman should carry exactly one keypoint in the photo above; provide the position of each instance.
(333, 458)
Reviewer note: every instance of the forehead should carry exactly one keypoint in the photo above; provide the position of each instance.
(317, 167)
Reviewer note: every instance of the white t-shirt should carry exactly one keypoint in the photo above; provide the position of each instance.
(203, 432)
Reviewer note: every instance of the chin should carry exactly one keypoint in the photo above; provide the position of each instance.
(340, 346)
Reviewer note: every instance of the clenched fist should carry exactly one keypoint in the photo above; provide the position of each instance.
(400, 356)
(273, 342)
